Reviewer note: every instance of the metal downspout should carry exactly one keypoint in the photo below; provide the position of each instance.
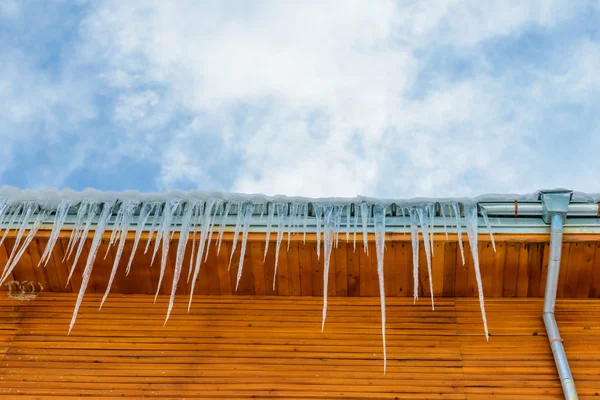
(558, 351)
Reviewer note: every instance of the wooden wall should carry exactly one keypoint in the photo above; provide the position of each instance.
(517, 269)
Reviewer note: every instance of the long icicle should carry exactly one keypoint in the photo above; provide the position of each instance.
(328, 232)
(456, 209)
(171, 208)
(282, 209)
(471, 221)
(77, 228)
(425, 233)
(32, 232)
(247, 219)
(127, 209)
(205, 228)
(270, 217)
(59, 221)
(365, 211)
(186, 223)
(145, 211)
(236, 233)
(92, 211)
(379, 222)
(489, 227)
(89, 265)
(223, 223)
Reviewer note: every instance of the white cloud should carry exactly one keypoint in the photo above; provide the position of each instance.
(316, 98)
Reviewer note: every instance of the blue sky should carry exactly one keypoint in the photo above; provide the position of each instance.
(393, 98)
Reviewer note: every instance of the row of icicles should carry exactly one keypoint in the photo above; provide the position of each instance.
(196, 221)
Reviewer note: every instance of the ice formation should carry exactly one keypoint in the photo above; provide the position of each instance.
(196, 216)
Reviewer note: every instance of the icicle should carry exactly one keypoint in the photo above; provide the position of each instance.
(414, 235)
(169, 212)
(328, 232)
(489, 227)
(24, 223)
(223, 222)
(456, 208)
(145, 211)
(77, 228)
(338, 222)
(425, 233)
(127, 210)
(155, 222)
(115, 229)
(443, 210)
(271, 216)
(59, 221)
(92, 210)
(305, 220)
(89, 265)
(197, 219)
(348, 214)
(236, 233)
(431, 211)
(41, 217)
(217, 206)
(247, 219)
(282, 209)
(15, 214)
(293, 211)
(318, 218)
(365, 211)
(379, 222)
(206, 224)
(186, 223)
(471, 221)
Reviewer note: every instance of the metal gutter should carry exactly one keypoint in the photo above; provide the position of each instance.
(556, 205)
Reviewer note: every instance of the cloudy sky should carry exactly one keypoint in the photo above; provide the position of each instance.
(333, 98)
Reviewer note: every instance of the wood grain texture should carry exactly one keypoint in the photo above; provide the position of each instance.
(272, 347)
(515, 269)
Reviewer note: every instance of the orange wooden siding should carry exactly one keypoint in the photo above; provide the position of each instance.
(517, 269)
(272, 347)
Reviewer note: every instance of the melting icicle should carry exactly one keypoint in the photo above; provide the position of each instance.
(77, 228)
(247, 219)
(169, 212)
(92, 210)
(223, 223)
(365, 211)
(292, 219)
(379, 222)
(471, 221)
(282, 209)
(127, 210)
(305, 220)
(331, 219)
(197, 219)
(348, 214)
(89, 265)
(456, 208)
(217, 206)
(443, 211)
(15, 214)
(59, 221)
(355, 223)
(425, 233)
(206, 224)
(236, 233)
(414, 235)
(186, 223)
(489, 227)
(145, 211)
(24, 222)
(155, 223)
(271, 216)
(318, 218)
(41, 217)
(431, 211)
(115, 229)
